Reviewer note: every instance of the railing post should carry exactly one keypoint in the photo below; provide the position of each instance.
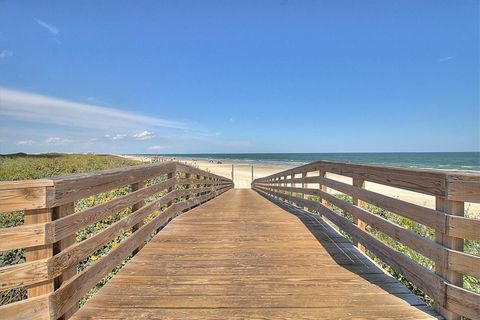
(322, 187)
(208, 179)
(359, 183)
(304, 186)
(279, 184)
(135, 207)
(39, 252)
(60, 212)
(216, 182)
(197, 176)
(292, 184)
(187, 176)
(456, 208)
(169, 176)
(204, 178)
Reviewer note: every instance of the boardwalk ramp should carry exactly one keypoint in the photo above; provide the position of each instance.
(171, 241)
(241, 256)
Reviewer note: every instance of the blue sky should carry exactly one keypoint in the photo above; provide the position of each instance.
(239, 76)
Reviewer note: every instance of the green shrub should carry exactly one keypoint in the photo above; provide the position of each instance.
(26, 167)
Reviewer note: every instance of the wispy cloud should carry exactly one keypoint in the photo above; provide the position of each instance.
(156, 147)
(145, 135)
(51, 28)
(445, 59)
(25, 142)
(37, 108)
(57, 141)
(6, 54)
(119, 136)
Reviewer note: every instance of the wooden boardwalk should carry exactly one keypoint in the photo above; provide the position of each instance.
(241, 256)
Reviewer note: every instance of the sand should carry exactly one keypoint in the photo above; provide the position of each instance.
(242, 173)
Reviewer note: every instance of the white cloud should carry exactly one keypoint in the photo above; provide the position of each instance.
(43, 109)
(145, 135)
(445, 59)
(119, 136)
(25, 142)
(157, 147)
(57, 141)
(6, 54)
(51, 28)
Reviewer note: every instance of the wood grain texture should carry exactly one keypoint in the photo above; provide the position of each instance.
(75, 187)
(360, 184)
(27, 198)
(25, 236)
(73, 290)
(463, 301)
(240, 256)
(444, 257)
(67, 226)
(452, 185)
(37, 308)
(429, 282)
(62, 211)
(39, 252)
(463, 187)
(137, 206)
(452, 276)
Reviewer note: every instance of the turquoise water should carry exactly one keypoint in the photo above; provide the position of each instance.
(433, 160)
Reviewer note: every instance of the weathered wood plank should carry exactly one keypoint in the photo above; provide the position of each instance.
(463, 227)
(432, 182)
(240, 253)
(67, 258)
(64, 227)
(39, 252)
(25, 236)
(27, 198)
(61, 212)
(75, 187)
(37, 308)
(463, 187)
(442, 269)
(71, 292)
(429, 217)
(463, 302)
(420, 276)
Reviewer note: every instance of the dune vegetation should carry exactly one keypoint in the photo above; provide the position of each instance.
(23, 167)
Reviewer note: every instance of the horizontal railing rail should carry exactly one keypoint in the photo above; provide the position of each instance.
(308, 187)
(149, 197)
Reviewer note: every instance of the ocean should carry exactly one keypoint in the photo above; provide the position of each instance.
(469, 161)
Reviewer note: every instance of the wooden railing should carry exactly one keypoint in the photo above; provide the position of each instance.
(48, 234)
(444, 284)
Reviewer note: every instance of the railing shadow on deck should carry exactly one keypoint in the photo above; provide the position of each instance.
(311, 187)
(341, 250)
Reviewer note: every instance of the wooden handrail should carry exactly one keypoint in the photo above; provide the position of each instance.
(451, 185)
(48, 234)
(451, 189)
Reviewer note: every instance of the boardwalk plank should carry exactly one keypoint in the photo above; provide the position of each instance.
(240, 256)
